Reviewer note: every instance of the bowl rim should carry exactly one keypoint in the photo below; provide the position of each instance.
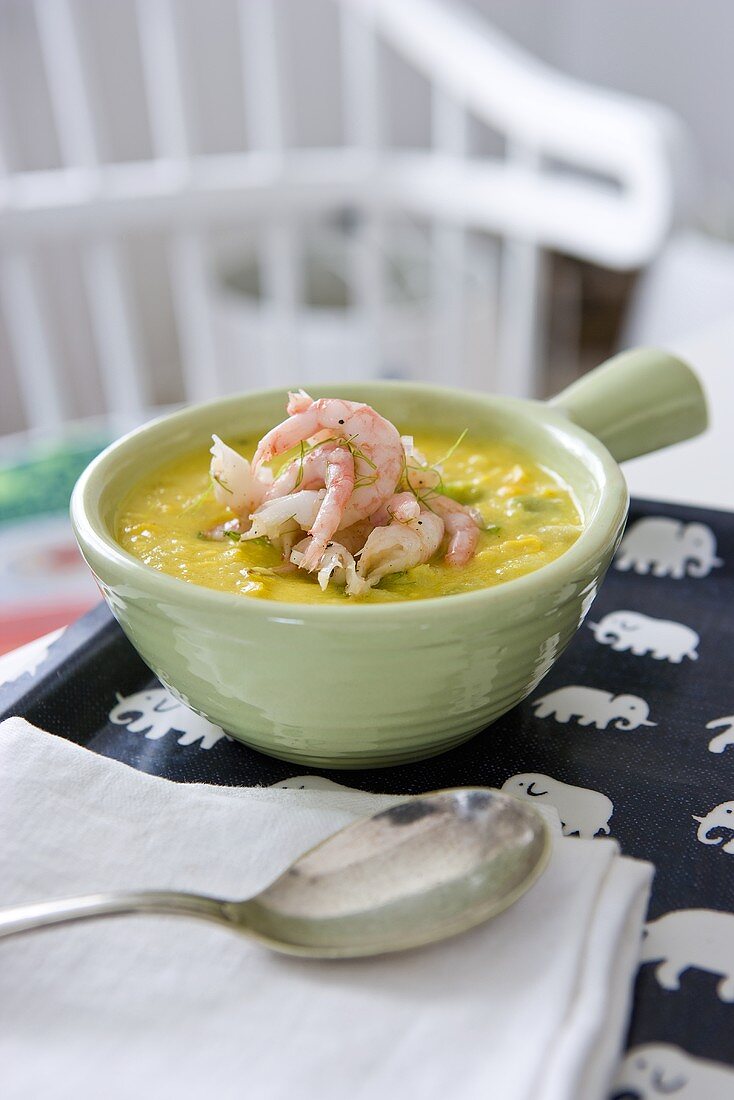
(95, 540)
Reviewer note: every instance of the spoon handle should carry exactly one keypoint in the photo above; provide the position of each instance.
(25, 918)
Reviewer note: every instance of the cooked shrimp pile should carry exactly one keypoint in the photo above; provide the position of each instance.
(358, 503)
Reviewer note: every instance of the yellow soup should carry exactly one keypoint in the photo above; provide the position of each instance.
(529, 513)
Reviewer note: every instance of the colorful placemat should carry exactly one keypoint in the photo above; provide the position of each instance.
(630, 735)
(44, 583)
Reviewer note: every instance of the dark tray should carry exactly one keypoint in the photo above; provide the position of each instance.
(657, 777)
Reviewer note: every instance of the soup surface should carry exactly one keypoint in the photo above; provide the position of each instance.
(529, 513)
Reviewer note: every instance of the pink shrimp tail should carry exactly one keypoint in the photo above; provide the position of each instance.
(298, 401)
(312, 557)
(285, 435)
(400, 506)
(462, 527)
(339, 487)
(462, 546)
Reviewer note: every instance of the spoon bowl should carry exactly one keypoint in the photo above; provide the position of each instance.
(417, 872)
(422, 870)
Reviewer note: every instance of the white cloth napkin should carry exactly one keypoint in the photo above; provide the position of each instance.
(531, 1005)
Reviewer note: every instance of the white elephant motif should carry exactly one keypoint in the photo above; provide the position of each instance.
(722, 740)
(661, 638)
(580, 809)
(721, 818)
(28, 659)
(668, 548)
(159, 713)
(655, 1070)
(310, 783)
(592, 707)
(698, 938)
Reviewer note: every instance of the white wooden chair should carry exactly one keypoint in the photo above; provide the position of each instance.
(584, 171)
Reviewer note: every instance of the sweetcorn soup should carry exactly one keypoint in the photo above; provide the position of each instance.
(526, 516)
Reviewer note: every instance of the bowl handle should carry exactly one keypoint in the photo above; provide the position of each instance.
(637, 402)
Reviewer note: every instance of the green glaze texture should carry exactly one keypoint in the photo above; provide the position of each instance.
(368, 685)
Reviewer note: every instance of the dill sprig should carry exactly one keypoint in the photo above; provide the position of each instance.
(423, 494)
(299, 476)
(222, 484)
(214, 479)
(357, 452)
(423, 498)
(304, 449)
(452, 449)
(359, 456)
(342, 441)
(197, 501)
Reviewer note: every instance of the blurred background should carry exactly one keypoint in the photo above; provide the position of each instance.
(204, 196)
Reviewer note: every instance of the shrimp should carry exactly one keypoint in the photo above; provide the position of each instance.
(339, 488)
(401, 506)
(233, 528)
(373, 443)
(405, 542)
(336, 562)
(237, 485)
(353, 538)
(420, 476)
(333, 467)
(284, 515)
(306, 472)
(462, 526)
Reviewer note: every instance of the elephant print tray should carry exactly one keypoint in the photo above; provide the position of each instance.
(631, 735)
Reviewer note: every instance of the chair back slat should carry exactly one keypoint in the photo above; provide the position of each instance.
(161, 37)
(520, 302)
(189, 275)
(362, 117)
(115, 329)
(117, 340)
(449, 136)
(66, 75)
(261, 38)
(6, 144)
(363, 127)
(40, 378)
(280, 256)
(159, 34)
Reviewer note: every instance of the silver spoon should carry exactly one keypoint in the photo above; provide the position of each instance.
(424, 869)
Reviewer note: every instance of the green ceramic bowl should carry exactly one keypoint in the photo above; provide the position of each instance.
(371, 685)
